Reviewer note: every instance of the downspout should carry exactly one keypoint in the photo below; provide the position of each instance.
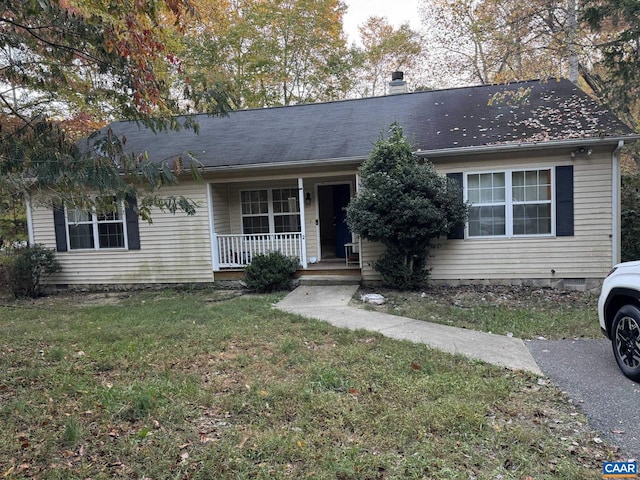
(215, 263)
(615, 204)
(303, 225)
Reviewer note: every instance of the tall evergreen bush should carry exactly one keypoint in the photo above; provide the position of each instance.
(405, 204)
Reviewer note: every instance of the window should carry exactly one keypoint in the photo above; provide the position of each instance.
(96, 230)
(531, 194)
(255, 211)
(487, 194)
(270, 210)
(510, 203)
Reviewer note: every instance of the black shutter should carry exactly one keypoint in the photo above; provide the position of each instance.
(564, 201)
(60, 228)
(457, 233)
(133, 231)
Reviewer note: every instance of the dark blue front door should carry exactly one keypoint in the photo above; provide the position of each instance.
(341, 197)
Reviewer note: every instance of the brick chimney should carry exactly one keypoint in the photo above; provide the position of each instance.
(397, 83)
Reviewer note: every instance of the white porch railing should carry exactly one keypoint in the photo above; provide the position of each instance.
(236, 251)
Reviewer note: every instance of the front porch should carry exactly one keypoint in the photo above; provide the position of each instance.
(302, 218)
(236, 251)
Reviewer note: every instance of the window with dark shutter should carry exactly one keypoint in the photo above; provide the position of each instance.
(90, 230)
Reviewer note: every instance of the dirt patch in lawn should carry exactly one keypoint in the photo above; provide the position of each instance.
(92, 298)
(526, 312)
(493, 295)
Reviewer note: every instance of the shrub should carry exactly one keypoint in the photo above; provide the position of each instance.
(405, 204)
(271, 272)
(398, 271)
(31, 265)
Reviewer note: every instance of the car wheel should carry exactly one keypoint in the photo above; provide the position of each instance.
(626, 340)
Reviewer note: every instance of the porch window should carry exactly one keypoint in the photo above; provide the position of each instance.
(255, 211)
(274, 210)
(95, 230)
(510, 203)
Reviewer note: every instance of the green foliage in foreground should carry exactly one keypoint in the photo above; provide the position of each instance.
(29, 267)
(190, 385)
(405, 204)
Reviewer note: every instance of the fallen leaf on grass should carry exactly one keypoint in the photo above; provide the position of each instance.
(206, 439)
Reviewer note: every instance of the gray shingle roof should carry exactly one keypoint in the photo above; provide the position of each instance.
(513, 114)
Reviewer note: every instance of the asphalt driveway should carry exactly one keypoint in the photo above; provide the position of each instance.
(587, 372)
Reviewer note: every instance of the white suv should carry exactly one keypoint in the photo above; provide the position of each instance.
(619, 313)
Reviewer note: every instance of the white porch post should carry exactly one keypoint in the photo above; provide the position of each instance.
(30, 220)
(215, 257)
(303, 225)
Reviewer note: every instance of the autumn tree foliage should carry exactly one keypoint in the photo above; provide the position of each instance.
(280, 52)
(493, 41)
(406, 205)
(385, 49)
(92, 60)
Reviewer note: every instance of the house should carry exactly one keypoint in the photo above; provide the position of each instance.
(538, 161)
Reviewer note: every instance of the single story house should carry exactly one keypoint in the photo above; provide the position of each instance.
(538, 162)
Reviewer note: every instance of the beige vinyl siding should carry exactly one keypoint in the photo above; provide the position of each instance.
(587, 254)
(221, 211)
(174, 248)
(370, 252)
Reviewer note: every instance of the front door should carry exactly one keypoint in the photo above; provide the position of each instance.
(334, 232)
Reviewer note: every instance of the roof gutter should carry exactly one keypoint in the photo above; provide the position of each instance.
(302, 163)
(530, 146)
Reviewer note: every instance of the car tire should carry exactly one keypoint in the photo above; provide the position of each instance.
(625, 339)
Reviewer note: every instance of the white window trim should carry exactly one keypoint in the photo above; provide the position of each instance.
(508, 173)
(271, 214)
(96, 237)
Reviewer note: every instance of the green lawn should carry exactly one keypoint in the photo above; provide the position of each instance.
(179, 384)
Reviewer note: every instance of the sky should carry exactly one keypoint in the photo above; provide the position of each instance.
(396, 11)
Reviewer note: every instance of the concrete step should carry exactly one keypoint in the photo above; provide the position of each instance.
(321, 280)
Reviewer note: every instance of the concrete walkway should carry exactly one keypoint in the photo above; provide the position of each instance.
(330, 303)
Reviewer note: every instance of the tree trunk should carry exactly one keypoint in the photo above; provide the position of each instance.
(572, 32)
